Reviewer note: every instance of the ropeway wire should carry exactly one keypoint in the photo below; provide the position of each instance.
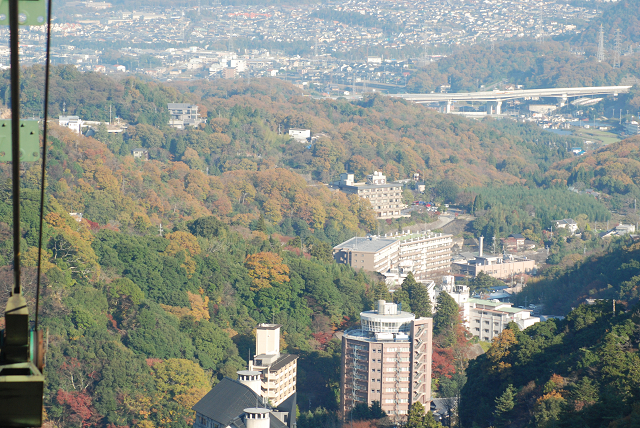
(44, 158)
(15, 139)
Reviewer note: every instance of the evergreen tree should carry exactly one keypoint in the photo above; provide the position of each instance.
(505, 403)
(418, 296)
(418, 419)
(447, 313)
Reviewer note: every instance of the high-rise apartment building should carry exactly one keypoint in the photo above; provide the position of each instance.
(387, 359)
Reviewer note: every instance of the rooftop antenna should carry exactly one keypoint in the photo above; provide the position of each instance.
(617, 50)
(600, 54)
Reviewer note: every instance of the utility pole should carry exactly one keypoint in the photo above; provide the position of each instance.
(600, 54)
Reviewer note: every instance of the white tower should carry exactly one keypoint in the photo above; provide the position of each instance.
(251, 379)
(257, 418)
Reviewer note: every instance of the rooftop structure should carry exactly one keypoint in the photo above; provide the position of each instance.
(388, 359)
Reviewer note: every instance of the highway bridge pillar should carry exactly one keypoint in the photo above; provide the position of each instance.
(449, 106)
(498, 107)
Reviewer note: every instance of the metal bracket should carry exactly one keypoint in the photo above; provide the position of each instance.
(30, 12)
(29, 141)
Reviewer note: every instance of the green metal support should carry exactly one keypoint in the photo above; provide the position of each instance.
(29, 141)
(30, 12)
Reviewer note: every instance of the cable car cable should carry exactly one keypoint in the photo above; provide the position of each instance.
(44, 159)
(15, 139)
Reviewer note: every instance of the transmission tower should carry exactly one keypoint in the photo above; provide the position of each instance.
(600, 54)
(617, 50)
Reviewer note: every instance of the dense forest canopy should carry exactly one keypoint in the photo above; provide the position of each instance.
(582, 371)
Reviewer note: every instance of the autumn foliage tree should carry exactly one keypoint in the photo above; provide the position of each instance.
(265, 268)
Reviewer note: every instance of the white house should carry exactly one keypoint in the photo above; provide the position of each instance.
(74, 123)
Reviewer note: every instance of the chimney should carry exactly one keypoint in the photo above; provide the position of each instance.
(481, 241)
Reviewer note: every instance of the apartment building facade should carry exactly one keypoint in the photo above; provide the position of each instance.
(385, 198)
(502, 267)
(388, 359)
(372, 253)
(427, 255)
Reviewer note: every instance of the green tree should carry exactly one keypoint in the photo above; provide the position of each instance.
(418, 296)
(505, 403)
(418, 419)
(447, 314)
(447, 190)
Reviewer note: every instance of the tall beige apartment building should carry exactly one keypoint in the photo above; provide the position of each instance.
(385, 198)
(278, 371)
(387, 359)
(426, 254)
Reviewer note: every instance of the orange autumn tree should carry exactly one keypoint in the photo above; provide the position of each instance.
(265, 268)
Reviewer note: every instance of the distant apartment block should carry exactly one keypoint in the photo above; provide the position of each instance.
(372, 253)
(425, 254)
(632, 128)
(387, 359)
(485, 319)
(74, 123)
(182, 115)
(502, 267)
(229, 73)
(385, 198)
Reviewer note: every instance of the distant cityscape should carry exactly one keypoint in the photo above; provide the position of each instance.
(334, 44)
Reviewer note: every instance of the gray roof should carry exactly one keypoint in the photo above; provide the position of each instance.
(226, 402)
(367, 245)
(172, 106)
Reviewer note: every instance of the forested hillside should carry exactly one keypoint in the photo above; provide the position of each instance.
(612, 274)
(531, 64)
(613, 170)
(391, 135)
(580, 372)
(140, 324)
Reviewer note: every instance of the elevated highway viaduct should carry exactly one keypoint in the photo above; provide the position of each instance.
(498, 97)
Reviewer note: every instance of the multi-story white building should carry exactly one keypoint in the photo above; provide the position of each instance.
(74, 123)
(427, 255)
(485, 319)
(278, 370)
(388, 359)
(262, 397)
(182, 115)
(385, 198)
